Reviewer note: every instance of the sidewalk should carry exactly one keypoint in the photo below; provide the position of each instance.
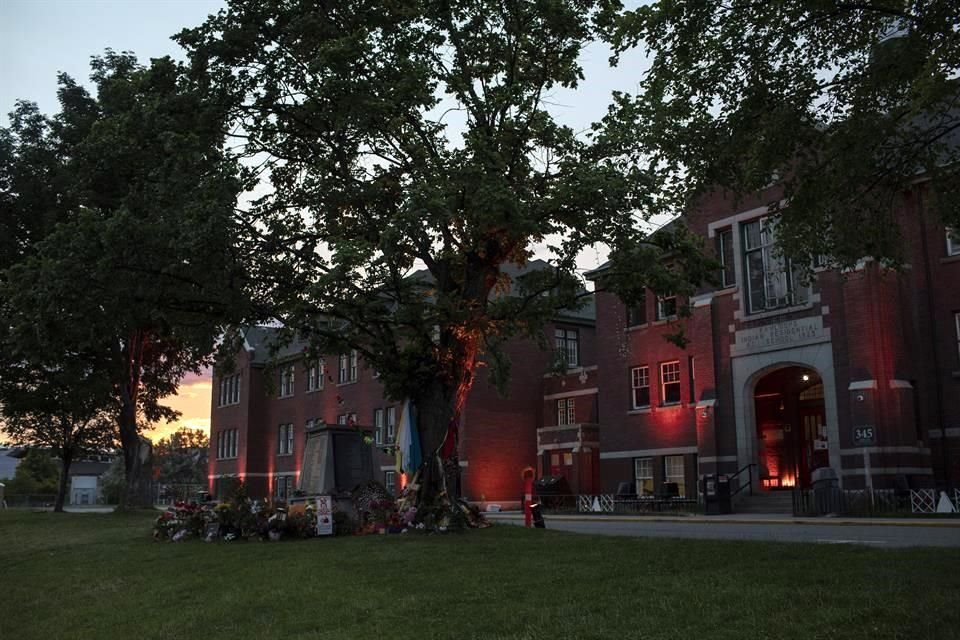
(516, 517)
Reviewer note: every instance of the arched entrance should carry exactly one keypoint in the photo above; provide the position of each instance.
(791, 427)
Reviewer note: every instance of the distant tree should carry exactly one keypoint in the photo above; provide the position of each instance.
(345, 107)
(36, 474)
(845, 104)
(49, 404)
(134, 286)
(181, 458)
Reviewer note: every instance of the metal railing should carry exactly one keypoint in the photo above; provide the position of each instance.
(611, 504)
(863, 502)
(29, 501)
(736, 488)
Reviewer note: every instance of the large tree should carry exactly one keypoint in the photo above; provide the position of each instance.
(348, 109)
(54, 402)
(141, 277)
(844, 104)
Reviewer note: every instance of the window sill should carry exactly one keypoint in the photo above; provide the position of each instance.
(637, 327)
(314, 390)
(750, 317)
(284, 455)
(671, 405)
(949, 259)
(286, 396)
(639, 411)
(346, 383)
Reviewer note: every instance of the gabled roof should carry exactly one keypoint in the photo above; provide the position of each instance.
(666, 228)
(264, 344)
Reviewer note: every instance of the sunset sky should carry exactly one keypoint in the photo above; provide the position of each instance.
(193, 401)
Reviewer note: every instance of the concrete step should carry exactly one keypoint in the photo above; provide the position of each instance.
(778, 502)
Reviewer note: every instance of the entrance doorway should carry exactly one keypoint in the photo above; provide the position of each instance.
(791, 427)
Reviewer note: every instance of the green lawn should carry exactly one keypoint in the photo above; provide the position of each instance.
(102, 576)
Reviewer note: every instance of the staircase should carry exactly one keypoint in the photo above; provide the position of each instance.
(778, 502)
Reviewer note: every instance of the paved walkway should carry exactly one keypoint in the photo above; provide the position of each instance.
(890, 532)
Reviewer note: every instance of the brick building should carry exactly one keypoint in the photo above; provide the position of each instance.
(858, 371)
(261, 411)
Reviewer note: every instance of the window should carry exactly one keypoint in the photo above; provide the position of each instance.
(725, 257)
(956, 322)
(666, 307)
(282, 487)
(378, 425)
(391, 424)
(285, 440)
(227, 444)
(772, 282)
(390, 481)
(953, 243)
(643, 474)
(567, 343)
(315, 375)
(673, 471)
(348, 367)
(637, 314)
(640, 381)
(670, 382)
(286, 381)
(342, 419)
(566, 411)
(229, 390)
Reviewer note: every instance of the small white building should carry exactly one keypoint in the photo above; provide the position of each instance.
(85, 482)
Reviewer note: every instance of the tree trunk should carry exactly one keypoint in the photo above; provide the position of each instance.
(66, 459)
(439, 407)
(131, 495)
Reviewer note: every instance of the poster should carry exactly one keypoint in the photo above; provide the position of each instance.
(324, 516)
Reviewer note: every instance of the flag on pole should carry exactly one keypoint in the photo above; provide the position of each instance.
(408, 441)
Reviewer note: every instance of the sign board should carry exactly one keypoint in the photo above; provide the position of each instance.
(324, 516)
(864, 435)
(780, 335)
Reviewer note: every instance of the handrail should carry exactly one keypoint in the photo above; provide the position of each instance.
(749, 469)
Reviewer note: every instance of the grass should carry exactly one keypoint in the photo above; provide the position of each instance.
(102, 576)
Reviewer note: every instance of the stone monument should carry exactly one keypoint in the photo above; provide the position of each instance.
(336, 459)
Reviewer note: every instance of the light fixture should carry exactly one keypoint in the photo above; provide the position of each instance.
(806, 377)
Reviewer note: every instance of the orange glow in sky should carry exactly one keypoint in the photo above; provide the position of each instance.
(193, 402)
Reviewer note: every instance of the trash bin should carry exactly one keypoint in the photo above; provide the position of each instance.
(537, 513)
(551, 490)
(716, 495)
(826, 491)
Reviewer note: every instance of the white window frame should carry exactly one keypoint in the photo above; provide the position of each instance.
(391, 421)
(953, 242)
(639, 379)
(670, 475)
(567, 343)
(348, 367)
(390, 481)
(670, 375)
(287, 381)
(566, 411)
(285, 440)
(378, 425)
(662, 313)
(779, 275)
(646, 465)
(229, 390)
(956, 322)
(315, 375)
(725, 243)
